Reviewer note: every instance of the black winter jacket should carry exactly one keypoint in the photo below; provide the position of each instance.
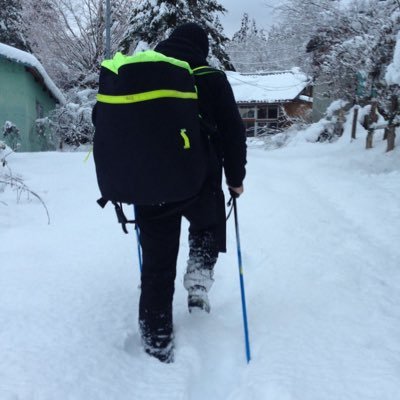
(218, 107)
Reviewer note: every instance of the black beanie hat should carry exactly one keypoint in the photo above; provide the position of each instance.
(194, 34)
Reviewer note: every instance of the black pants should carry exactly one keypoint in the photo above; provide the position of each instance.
(160, 228)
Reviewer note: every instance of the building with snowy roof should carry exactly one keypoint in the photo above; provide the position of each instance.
(26, 94)
(268, 102)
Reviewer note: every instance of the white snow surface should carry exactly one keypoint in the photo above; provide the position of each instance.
(29, 59)
(277, 86)
(320, 228)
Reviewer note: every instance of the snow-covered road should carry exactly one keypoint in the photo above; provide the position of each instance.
(320, 227)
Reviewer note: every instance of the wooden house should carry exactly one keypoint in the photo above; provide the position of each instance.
(269, 102)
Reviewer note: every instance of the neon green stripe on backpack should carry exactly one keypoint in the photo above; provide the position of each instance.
(145, 96)
(120, 60)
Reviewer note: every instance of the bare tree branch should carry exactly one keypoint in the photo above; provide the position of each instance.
(20, 187)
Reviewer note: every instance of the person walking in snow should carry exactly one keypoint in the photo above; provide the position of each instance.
(159, 225)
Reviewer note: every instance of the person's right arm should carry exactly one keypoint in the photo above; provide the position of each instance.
(233, 136)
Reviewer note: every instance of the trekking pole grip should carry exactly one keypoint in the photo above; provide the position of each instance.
(233, 194)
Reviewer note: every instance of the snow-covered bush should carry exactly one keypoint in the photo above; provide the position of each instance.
(272, 142)
(11, 135)
(72, 123)
(328, 129)
(13, 181)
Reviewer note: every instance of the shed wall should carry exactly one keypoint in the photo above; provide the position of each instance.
(23, 99)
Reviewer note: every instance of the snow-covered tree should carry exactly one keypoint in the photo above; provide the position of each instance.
(345, 46)
(42, 20)
(69, 36)
(352, 54)
(11, 135)
(153, 21)
(282, 50)
(219, 56)
(387, 31)
(300, 20)
(241, 34)
(247, 49)
(12, 28)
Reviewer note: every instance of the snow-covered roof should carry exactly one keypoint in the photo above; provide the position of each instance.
(29, 60)
(267, 87)
(392, 75)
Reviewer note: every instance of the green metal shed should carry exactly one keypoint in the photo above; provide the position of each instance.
(26, 94)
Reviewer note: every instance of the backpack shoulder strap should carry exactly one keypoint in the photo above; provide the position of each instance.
(206, 70)
(207, 126)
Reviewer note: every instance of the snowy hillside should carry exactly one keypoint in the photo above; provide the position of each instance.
(320, 228)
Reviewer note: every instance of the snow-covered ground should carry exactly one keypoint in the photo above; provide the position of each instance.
(320, 234)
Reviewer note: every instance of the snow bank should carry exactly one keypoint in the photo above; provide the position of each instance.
(324, 129)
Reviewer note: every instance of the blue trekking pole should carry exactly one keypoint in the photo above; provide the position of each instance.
(239, 253)
(139, 249)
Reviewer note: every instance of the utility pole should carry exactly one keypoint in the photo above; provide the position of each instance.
(108, 30)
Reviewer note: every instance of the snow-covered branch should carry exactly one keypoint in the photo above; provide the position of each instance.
(16, 183)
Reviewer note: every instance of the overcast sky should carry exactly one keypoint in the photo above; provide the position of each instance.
(257, 9)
